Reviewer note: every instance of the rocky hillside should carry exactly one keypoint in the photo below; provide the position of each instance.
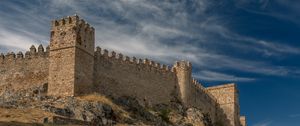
(33, 107)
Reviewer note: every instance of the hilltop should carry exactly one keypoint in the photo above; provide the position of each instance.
(71, 69)
(32, 107)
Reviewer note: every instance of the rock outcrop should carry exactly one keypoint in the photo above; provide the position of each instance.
(33, 107)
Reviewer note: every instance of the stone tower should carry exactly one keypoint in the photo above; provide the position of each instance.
(227, 97)
(184, 76)
(71, 57)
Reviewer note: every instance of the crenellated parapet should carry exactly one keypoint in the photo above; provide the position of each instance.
(143, 64)
(72, 66)
(71, 21)
(199, 86)
(38, 52)
(119, 75)
(23, 70)
(72, 43)
(183, 65)
(33, 53)
(70, 32)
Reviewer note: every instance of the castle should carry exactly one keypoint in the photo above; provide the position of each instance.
(72, 66)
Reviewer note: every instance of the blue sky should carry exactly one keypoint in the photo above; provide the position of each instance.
(254, 44)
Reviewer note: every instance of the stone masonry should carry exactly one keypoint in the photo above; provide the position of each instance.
(227, 97)
(71, 57)
(72, 66)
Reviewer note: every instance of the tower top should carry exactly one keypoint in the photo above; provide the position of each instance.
(72, 31)
(71, 20)
(183, 64)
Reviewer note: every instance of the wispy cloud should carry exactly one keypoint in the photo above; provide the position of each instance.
(215, 76)
(164, 31)
(294, 115)
(248, 43)
(15, 42)
(263, 123)
(20, 30)
(290, 13)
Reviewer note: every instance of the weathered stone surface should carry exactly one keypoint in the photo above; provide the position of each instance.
(195, 116)
(20, 73)
(74, 111)
(227, 98)
(71, 67)
(71, 57)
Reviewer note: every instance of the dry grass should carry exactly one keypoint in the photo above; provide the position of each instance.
(23, 115)
(98, 98)
(35, 116)
(102, 99)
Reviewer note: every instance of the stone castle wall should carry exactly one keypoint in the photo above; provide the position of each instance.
(18, 71)
(71, 57)
(227, 98)
(72, 67)
(193, 94)
(243, 121)
(144, 79)
(117, 75)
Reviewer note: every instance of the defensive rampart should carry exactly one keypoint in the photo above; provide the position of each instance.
(18, 71)
(227, 97)
(72, 67)
(119, 75)
(193, 94)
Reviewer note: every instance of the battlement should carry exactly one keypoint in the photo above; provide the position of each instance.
(185, 65)
(202, 88)
(72, 21)
(144, 64)
(32, 53)
(229, 85)
(72, 66)
(71, 32)
(199, 85)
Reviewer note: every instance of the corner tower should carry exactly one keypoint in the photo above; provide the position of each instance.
(227, 97)
(71, 57)
(184, 77)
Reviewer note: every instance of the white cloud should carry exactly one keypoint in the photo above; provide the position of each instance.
(290, 14)
(149, 29)
(248, 43)
(294, 115)
(16, 42)
(263, 123)
(215, 76)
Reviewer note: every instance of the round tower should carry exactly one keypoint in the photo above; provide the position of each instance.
(184, 77)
